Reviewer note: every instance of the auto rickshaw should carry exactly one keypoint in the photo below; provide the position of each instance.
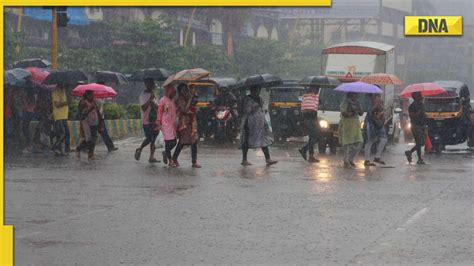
(448, 115)
(284, 109)
(206, 90)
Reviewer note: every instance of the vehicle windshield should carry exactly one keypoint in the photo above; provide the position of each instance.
(442, 104)
(330, 100)
(205, 93)
(286, 95)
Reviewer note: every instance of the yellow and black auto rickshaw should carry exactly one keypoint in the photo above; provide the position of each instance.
(206, 91)
(448, 115)
(284, 109)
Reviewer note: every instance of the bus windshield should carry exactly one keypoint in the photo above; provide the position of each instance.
(330, 100)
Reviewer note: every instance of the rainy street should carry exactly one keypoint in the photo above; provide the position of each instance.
(120, 211)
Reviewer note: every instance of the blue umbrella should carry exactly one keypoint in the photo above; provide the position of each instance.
(16, 77)
(358, 87)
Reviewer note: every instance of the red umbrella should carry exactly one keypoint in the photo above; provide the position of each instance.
(426, 89)
(37, 74)
(100, 91)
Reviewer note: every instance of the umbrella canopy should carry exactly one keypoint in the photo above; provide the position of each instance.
(33, 62)
(168, 81)
(320, 81)
(100, 91)
(38, 75)
(111, 77)
(191, 74)
(358, 87)
(382, 79)
(426, 89)
(158, 74)
(264, 80)
(16, 77)
(68, 77)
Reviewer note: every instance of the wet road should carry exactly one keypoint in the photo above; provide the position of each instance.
(119, 211)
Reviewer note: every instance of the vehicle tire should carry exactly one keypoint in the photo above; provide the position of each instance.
(322, 147)
(437, 148)
(333, 146)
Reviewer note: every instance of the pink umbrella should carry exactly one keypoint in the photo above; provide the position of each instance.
(100, 91)
(37, 74)
(426, 89)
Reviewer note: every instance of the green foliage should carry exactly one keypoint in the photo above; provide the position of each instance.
(113, 111)
(133, 111)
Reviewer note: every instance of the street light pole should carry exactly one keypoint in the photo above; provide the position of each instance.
(54, 38)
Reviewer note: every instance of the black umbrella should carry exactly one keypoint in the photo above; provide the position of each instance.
(16, 77)
(320, 81)
(65, 77)
(33, 62)
(111, 77)
(264, 80)
(158, 74)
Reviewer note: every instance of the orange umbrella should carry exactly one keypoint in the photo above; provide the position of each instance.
(382, 79)
(168, 81)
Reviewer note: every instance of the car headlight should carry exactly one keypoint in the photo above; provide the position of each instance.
(409, 125)
(274, 112)
(323, 124)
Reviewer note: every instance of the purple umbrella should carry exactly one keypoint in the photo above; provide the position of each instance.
(358, 87)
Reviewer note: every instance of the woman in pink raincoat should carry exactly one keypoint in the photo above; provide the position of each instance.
(166, 122)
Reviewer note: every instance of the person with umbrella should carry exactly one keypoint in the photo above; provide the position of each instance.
(60, 116)
(350, 135)
(418, 126)
(374, 129)
(309, 110)
(89, 120)
(148, 112)
(166, 122)
(254, 129)
(187, 124)
(102, 128)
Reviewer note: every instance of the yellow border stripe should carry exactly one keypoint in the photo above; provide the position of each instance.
(168, 3)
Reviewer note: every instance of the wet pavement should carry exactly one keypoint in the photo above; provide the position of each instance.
(119, 211)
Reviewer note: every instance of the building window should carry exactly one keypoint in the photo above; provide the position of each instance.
(250, 31)
(94, 9)
(262, 32)
(216, 32)
(274, 35)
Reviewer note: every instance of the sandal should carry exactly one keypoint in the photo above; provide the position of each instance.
(138, 153)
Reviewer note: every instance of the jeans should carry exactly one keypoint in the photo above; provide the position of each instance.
(372, 137)
(61, 131)
(25, 126)
(312, 135)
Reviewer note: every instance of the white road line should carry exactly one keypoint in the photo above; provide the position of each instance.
(413, 219)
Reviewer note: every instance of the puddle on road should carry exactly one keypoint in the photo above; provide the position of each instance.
(170, 190)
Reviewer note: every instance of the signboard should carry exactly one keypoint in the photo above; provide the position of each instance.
(350, 65)
(339, 9)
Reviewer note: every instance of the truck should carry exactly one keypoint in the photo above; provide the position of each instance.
(348, 62)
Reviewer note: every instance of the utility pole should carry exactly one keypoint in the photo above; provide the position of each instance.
(190, 21)
(54, 38)
(18, 28)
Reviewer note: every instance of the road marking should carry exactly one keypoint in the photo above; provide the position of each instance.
(413, 219)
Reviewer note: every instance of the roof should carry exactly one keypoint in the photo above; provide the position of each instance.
(373, 45)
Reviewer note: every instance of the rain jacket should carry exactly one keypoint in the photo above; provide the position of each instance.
(349, 128)
(254, 129)
(167, 115)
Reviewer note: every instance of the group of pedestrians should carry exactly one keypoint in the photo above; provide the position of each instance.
(174, 117)
(51, 110)
(351, 137)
